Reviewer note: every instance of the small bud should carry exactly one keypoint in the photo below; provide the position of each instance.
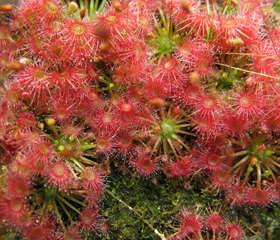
(239, 42)
(176, 111)
(194, 77)
(268, 152)
(73, 7)
(224, 75)
(67, 151)
(83, 13)
(14, 66)
(254, 160)
(250, 169)
(24, 60)
(105, 46)
(235, 72)
(71, 138)
(50, 207)
(96, 59)
(61, 148)
(25, 95)
(157, 128)
(186, 6)
(262, 147)
(6, 8)
(93, 96)
(250, 81)
(267, 173)
(175, 38)
(41, 125)
(50, 121)
(164, 158)
(111, 85)
(150, 35)
(154, 181)
(158, 102)
(117, 6)
(164, 32)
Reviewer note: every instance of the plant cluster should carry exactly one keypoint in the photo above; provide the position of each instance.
(192, 224)
(180, 88)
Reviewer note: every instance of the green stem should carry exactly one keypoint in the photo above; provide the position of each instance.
(71, 169)
(101, 6)
(181, 142)
(88, 146)
(273, 162)
(208, 7)
(87, 161)
(104, 89)
(82, 5)
(155, 148)
(58, 215)
(55, 132)
(246, 175)
(186, 133)
(65, 210)
(173, 149)
(243, 160)
(259, 175)
(184, 125)
(266, 164)
(2, 175)
(164, 145)
(231, 60)
(237, 154)
(68, 204)
(225, 9)
(47, 135)
(157, 26)
(74, 200)
(100, 79)
(87, 6)
(163, 19)
(252, 72)
(80, 165)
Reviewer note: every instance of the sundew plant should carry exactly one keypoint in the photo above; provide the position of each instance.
(140, 119)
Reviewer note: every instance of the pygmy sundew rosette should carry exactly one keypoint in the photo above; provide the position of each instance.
(181, 90)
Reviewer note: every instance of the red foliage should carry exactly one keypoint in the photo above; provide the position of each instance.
(144, 166)
(234, 231)
(92, 179)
